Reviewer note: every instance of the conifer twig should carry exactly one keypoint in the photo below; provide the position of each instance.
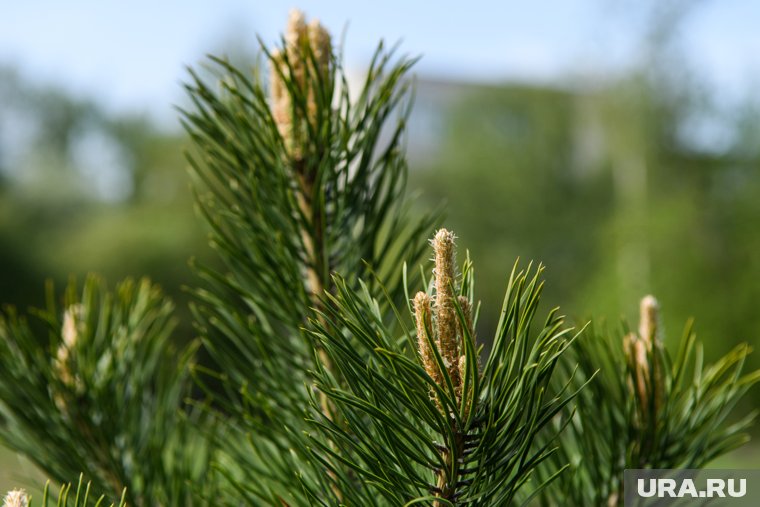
(642, 410)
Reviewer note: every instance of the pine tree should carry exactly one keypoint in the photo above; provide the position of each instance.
(328, 382)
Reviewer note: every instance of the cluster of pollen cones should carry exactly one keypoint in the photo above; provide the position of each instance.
(302, 63)
(440, 330)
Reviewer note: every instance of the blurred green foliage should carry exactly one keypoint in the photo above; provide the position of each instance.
(85, 191)
(605, 188)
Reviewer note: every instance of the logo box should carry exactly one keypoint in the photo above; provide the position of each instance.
(690, 487)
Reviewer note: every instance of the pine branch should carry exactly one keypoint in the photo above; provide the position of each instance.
(88, 388)
(296, 181)
(646, 409)
(411, 429)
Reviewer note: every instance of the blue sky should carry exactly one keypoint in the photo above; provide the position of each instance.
(131, 55)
